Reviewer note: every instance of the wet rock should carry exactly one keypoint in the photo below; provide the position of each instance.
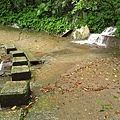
(15, 93)
(20, 73)
(19, 61)
(15, 26)
(1, 45)
(112, 41)
(7, 73)
(105, 39)
(81, 33)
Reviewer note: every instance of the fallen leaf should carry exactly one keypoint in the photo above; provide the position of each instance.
(100, 88)
(106, 113)
(116, 97)
(115, 75)
(117, 112)
(97, 94)
(114, 69)
(75, 90)
(77, 83)
(107, 73)
(37, 46)
(13, 108)
(100, 73)
(102, 110)
(106, 78)
(85, 89)
(36, 41)
(98, 102)
(82, 75)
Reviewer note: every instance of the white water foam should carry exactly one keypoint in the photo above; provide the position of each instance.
(98, 39)
(1, 64)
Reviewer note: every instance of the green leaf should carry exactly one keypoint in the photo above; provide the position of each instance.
(98, 102)
(103, 107)
(13, 108)
(42, 5)
(46, 8)
(107, 104)
(116, 97)
(75, 90)
(102, 110)
(38, 12)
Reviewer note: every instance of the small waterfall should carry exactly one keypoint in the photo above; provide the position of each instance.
(5, 65)
(98, 39)
(1, 65)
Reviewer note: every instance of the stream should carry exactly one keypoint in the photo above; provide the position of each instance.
(76, 82)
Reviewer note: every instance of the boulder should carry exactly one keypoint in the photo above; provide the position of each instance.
(20, 73)
(81, 33)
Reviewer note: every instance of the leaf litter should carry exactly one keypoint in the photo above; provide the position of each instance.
(92, 77)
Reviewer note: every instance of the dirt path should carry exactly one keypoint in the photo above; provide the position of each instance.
(75, 82)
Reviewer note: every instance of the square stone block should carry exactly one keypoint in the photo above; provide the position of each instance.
(15, 93)
(17, 61)
(31, 58)
(17, 53)
(9, 47)
(20, 73)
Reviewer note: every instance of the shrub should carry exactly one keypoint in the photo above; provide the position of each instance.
(117, 32)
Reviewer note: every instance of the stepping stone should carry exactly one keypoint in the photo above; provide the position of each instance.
(9, 47)
(15, 93)
(20, 73)
(31, 58)
(17, 61)
(17, 53)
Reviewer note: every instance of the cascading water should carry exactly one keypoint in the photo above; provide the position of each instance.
(98, 39)
(1, 65)
(5, 65)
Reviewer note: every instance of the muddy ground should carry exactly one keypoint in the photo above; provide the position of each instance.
(74, 83)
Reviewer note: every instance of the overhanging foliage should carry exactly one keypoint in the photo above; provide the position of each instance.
(57, 16)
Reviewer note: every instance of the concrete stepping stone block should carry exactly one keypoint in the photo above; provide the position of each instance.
(9, 47)
(20, 73)
(15, 93)
(17, 53)
(31, 58)
(17, 61)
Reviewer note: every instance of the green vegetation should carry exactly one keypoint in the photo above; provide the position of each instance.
(57, 16)
(117, 34)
